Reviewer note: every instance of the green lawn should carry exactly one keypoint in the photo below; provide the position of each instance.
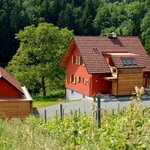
(37, 102)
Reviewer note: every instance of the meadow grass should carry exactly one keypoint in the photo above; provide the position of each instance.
(44, 103)
(52, 99)
(126, 130)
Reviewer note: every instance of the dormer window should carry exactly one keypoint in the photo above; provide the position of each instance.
(126, 61)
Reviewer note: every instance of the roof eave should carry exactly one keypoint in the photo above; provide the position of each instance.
(99, 72)
(128, 67)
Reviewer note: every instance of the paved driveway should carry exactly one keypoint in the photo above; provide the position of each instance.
(84, 105)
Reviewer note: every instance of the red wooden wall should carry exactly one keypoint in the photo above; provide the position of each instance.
(100, 85)
(78, 71)
(7, 90)
(95, 82)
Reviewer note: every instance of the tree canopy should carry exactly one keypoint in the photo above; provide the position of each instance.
(37, 58)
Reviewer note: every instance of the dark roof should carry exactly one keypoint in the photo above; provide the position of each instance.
(9, 78)
(92, 48)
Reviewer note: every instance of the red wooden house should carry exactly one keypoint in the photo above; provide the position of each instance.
(110, 65)
(15, 101)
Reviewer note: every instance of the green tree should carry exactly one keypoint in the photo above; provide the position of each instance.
(102, 19)
(38, 56)
(145, 28)
(88, 17)
(126, 28)
(68, 17)
(135, 12)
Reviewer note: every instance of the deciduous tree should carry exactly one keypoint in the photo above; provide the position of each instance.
(39, 54)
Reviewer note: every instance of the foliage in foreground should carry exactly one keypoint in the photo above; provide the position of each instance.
(128, 129)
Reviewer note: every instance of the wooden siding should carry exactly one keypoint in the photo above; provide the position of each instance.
(15, 108)
(114, 87)
(100, 85)
(127, 80)
(79, 71)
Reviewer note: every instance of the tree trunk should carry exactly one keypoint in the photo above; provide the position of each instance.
(43, 86)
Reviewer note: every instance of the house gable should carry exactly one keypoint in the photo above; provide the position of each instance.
(7, 90)
(9, 78)
(77, 76)
(9, 86)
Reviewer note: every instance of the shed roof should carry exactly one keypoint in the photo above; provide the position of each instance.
(92, 48)
(9, 78)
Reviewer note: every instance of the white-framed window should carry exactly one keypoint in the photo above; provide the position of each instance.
(85, 81)
(81, 61)
(75, 59)
(72, 79)
(79, 79)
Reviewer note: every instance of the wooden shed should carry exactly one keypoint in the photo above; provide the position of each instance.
(15, 100)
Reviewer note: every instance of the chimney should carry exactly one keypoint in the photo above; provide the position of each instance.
(112, 35)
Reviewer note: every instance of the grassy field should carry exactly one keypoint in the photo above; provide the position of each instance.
(126, 130)
(52, 99)
(45, 103)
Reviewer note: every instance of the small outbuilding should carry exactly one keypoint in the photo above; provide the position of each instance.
(15, 100)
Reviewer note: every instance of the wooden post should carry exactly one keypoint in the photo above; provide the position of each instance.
(61, 112)
(79, 111)
(99, 110)
(118, 107)
(71, 112)
(76, 113)
(113, 111)
(45, 115)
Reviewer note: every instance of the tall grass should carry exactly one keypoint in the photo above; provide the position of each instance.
(128, 129)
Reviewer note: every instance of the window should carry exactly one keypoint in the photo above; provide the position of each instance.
(72, 79)
(85, 81)
(80, 61)
(72, 91)
(128, 61)
(75, 59)
(133, 61)
(79, 79)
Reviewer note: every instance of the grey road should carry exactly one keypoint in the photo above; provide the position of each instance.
(85, 105)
